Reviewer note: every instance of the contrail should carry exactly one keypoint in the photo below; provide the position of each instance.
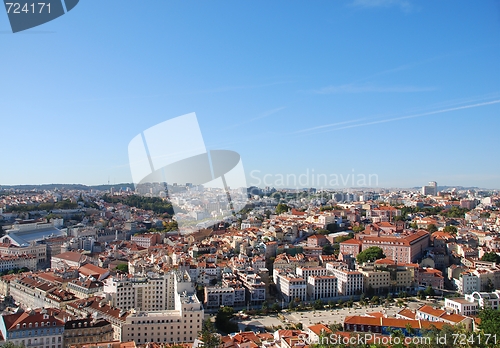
(327, 125)
(408, 117)
(263, 115)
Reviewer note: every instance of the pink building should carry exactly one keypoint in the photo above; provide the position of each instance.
(146, 240)
(430, 276)
(401, 248)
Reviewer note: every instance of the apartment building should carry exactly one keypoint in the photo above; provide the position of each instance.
(403, 249)
(39, 251)
(36, 328)
(322, 287)
(382, 214)
(476, 280)
(230, 281)
(472, 303)
(8, 262)
(378, 281)
(180, 323)
(83, 288)
(291, 287)
(467, 283)
(430, 277)
(216, 296)
(306, 272)
(349, 283)
(351, 247)
(461, 305)
(68, 259)
(317, 240)
(87, 331)
(255, 287)
(485, 299)
(144, 293)
(146, 240)
(30, 292)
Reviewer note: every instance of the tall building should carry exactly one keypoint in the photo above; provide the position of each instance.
(171, 324)
(349, 283)
(430, 189)
(145, 293)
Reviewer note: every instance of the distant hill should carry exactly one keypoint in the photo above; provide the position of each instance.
(67, 187)
(459, 188)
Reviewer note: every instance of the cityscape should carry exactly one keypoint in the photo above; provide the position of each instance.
(104, 266)
(249, 174)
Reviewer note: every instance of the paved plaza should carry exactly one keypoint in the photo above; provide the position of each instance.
(258, 323)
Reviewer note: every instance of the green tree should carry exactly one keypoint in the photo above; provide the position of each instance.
(429, 291)
(328, 250)
(370, 291)
(122, 267)
(275, 307)
(223, 320)
(11, 345)
(208, 335)
(357, 229)
(371, 254)
(432, 228)
(318, 304)
(389, 298)
(490, 321)
(491, 257)
(450, 229)
(170, 226)
(282, 208)
(454, 212)
(490, 287)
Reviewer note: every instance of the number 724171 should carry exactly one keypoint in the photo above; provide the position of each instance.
(16, 7)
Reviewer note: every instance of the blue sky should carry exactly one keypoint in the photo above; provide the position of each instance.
(406, 90)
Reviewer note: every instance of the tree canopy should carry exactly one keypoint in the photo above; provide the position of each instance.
(450, 229)
(491, 257)
(123, 267)
(490, 321)
(371, 254)
(432, 228)
(223, 320)
(282, 208)
(208, 336)
(155, 204)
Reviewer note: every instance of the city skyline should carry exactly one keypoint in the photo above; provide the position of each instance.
(403, 90)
